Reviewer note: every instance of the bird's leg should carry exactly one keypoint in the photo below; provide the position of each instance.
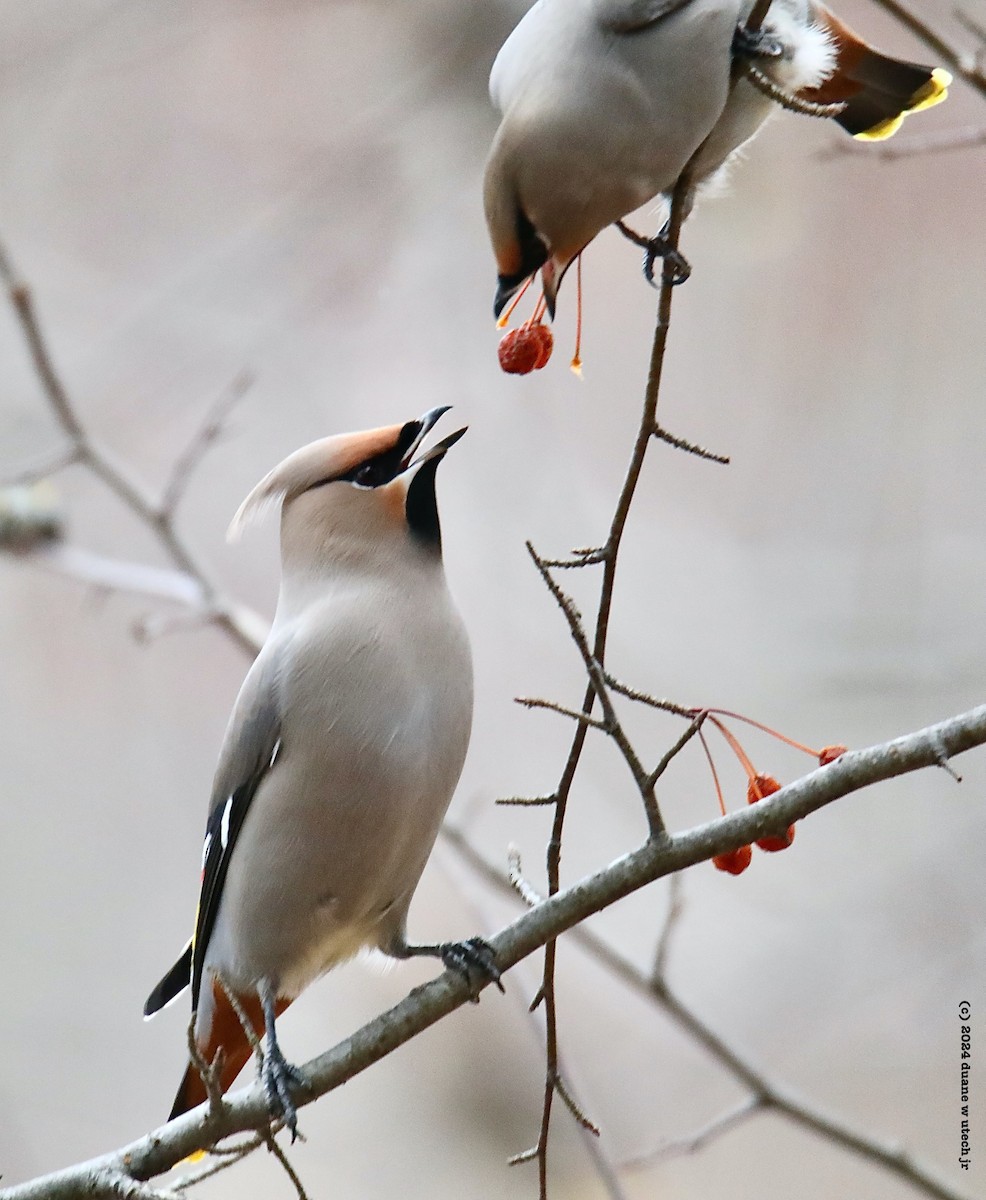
(754, 43)
(276, 1073)
(654, 248)
(470, 958)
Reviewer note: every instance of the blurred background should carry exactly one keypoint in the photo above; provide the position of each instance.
(195, 189)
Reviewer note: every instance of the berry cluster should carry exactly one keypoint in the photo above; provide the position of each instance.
(529, 347)
(525, 349)
(759, 786)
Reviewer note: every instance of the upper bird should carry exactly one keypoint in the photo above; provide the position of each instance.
(604, 102)
(341, 754)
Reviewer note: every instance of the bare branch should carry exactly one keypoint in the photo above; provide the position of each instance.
(553, 706)
(573, 1107)
(289, 1170)
(212, 426)
(676, 907)
(690, 447)
(692, 1142)
(233, 620)
(521, 886)
(963, 63)
(247, 1110)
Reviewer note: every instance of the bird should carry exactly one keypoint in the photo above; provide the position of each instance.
(341, 755)
(603, 103)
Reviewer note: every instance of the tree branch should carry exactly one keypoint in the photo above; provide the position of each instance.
(114, 1175)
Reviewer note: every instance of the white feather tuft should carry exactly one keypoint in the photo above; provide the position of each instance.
(266, 495)
(810, 55)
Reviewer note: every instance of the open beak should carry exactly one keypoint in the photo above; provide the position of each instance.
(419, 430)
(440, 448)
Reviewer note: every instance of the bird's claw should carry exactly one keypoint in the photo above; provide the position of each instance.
(279, 1077)
(470, 958)
(754, 43)
(658, 247)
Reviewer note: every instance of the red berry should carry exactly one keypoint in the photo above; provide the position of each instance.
(525, 349)
(772, 842)
(760, 787)
(545, 344)
(828, 754)
(734, 861)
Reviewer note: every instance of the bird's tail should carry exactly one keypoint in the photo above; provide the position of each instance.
(878, 91)
(228, 1039)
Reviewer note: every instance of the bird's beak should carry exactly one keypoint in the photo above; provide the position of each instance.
(507, 286)
(440, 449)
(421, 428)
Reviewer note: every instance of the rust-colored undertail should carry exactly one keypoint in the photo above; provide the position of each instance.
(878, 91)
(227, 1034)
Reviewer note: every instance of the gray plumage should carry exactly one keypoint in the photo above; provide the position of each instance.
(345, 743)
(605, 101)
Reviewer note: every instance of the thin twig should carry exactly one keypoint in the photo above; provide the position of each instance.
(963, 63)
(700, 1138)
(289, 1170)
(103, 465)
(676, 749)
(668, 706)
(680, 443)
(676, 908)
(597, 677)
(212, 426)
(518, 882)
(553, 706)
(574, 1107)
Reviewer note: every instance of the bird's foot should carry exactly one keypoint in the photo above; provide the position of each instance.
(279, 1077)
(754, 43)
(658, 247)
(472, 958)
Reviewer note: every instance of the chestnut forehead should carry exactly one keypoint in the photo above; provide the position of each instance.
(356, 448)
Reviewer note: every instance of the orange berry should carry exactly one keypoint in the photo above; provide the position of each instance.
(760, 787)
(734, 861)
(773, 842)
(523, 350)
(545, 344)
(828, 754)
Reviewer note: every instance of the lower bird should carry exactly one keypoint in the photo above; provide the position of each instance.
(605, 102)
(341, 754)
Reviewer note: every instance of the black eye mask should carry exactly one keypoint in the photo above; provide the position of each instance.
(382, 468)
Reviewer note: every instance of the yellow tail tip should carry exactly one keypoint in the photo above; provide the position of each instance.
(927, 96)
(933, 92)
(195, 1157)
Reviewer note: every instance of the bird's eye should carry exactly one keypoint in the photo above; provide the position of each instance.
(365, 475)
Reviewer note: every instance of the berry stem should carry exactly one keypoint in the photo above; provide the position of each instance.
(724, 712)
(502, 322)
(715, 773)
(576, 363)
(734, 745)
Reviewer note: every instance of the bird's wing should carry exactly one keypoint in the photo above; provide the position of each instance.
(250, 749)
(630, 16)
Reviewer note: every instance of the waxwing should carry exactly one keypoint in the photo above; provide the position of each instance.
(342, 752)
(604, 102)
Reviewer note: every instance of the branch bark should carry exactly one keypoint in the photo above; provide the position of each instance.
(123, 1173)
